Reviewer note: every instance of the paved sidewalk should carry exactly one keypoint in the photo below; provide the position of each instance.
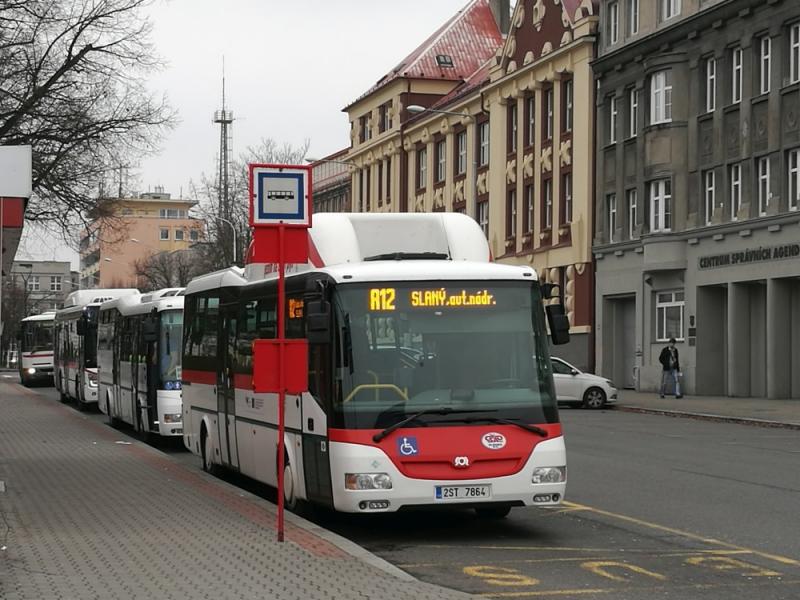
(754, 411)
(84, 516)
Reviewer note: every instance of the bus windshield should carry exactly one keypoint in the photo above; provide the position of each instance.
(479, 348)
(169, 347)
(38, 336)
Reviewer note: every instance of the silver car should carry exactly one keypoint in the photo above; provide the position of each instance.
(576, 387)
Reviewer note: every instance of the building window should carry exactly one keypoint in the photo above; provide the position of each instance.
(461, 152)
(794, 53)
(367, 188)
(33, 283)
(613, 22)
(669, 9)
(765, 59)
(389, 122)
(381, 118)
(547, 205)
(613, 113)
(380, 183)
(710, 193)
(568, 104)
(763, 185)
(422, 168)
(527, 216)
(530, 119)
(669, 316)
(711, 84)
(566, 203)
(163, 234)
(794, 179)
(611, 207)
(633, 112)
(364, 132)
(483, 144)
(179, 235)
(736, 191)
(661, 205)
(633, 212)
(736, 75)
(661, 97)
(440, 161)
(55, 283)
(388, 170)
(548, 113)
(483, 217)
(511, 214)
(194, 235)
(633, 17)
(511, 115)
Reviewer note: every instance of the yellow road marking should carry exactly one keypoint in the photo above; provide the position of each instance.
(725, 563)
(600, 567)
(499, 575)
(775, 557)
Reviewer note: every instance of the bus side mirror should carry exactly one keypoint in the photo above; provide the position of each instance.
(150, 329)
(558, 322)
(80, 326)
(318, 322)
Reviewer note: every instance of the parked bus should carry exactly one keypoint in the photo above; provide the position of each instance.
(429, 377)
(139, 361)
(75, 346)
(36, 348)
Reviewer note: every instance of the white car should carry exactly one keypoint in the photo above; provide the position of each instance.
(576, 387)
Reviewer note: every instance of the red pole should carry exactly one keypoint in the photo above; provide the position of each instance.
(281, 377)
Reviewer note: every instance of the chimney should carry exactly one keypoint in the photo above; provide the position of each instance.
(501, 10)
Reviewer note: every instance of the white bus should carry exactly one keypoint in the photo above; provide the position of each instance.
(429, 377)
(36, 348)
(75, 346)
(139, 361)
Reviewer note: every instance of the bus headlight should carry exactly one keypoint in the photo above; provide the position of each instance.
(31, 370)
(367, 481)
(172, 417)
(92, 379)
(172, 385)
(549, 475)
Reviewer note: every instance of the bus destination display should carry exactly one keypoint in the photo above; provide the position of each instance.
(386, 298)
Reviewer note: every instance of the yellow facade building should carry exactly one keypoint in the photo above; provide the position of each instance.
(494, 117)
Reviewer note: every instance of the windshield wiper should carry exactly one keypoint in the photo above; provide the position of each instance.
(525, 426)
(428, 411)
(409, 256)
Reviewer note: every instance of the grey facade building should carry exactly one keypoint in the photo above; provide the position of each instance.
(697, 223)
(43, 284)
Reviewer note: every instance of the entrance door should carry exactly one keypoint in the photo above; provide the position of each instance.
(627, 309)
(226, 387)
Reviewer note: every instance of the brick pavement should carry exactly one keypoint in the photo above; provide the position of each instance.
(85, 517)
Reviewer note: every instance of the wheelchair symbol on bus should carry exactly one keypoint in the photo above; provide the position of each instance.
(407, 446)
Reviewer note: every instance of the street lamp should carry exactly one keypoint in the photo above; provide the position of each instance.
(233, 229)
(416, 109)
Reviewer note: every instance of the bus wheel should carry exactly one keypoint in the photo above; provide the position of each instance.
(207, 451)
(78, 402)
(493, 512)
(289, 495)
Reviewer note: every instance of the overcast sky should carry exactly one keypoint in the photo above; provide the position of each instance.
(290, 68)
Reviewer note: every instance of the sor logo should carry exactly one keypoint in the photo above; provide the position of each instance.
(461, 462)
(494, 440)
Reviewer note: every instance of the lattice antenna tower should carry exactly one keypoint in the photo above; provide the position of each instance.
(225, 119)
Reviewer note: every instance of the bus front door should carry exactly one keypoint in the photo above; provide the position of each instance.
(226, 389)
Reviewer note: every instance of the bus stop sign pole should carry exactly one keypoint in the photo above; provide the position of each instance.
(280, 215)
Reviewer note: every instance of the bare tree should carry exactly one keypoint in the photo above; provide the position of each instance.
(219, 254)
(72, 85)
(166, 269)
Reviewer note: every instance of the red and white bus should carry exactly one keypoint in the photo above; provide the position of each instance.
(429, 377)
(36, 348)
(75, 347)
(139, 340)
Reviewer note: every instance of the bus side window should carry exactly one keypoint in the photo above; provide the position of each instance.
(208, 341)
(267, 318)
(245, 336)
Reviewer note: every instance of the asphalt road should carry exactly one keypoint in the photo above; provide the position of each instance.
(656, 507)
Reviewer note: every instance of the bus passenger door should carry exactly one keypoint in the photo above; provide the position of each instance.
(316, 408)
(226, 388)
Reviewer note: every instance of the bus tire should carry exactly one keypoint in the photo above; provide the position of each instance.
(290, 501)
(493, 512)
(112, 420)
(206, 449)
(78, 402)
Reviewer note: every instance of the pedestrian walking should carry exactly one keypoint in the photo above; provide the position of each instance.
(671, 368)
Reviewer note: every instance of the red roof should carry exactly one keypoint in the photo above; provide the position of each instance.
(468, 40)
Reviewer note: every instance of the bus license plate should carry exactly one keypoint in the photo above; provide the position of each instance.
(444, 493)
